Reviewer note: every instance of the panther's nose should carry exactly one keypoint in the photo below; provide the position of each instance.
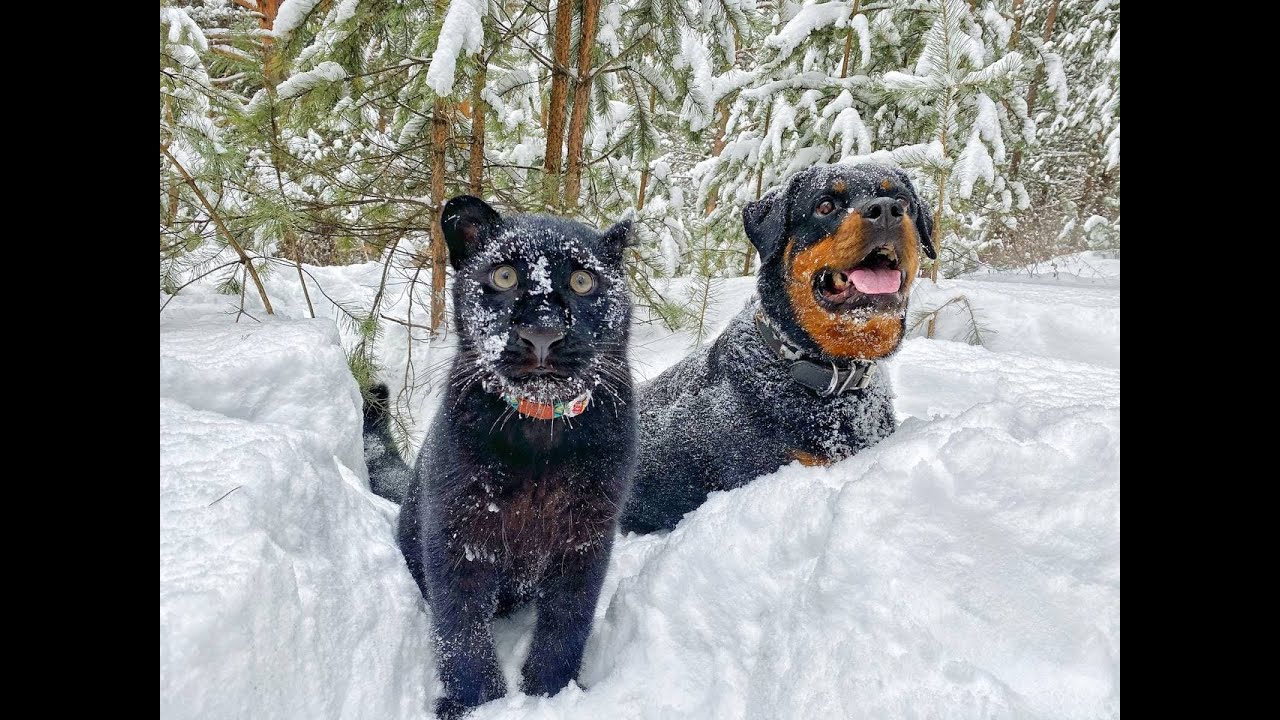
(883, 212)
(540, 339)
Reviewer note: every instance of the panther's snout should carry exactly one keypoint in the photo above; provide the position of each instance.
(540, 362)
(539, 340)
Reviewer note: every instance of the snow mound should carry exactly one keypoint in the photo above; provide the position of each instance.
(282, 593)
(1067, 308)
(968, 566)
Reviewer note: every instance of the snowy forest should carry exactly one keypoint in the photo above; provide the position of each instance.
(966, 565)
(327, 132)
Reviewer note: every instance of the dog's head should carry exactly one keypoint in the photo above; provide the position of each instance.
(541, 303)
(839, 248)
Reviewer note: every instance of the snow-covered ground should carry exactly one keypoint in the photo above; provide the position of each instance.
(967, 567)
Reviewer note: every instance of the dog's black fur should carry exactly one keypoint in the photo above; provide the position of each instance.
(504, 509)
(732, 412)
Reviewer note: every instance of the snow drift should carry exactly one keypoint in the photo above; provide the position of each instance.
(967, 567)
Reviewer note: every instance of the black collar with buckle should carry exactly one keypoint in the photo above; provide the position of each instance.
(827, 379)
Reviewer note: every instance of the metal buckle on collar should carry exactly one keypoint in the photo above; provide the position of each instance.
(864, 379)
(835, 377)
(862, 373)
(857, 377)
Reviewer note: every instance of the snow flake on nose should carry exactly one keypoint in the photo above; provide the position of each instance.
(539, 277)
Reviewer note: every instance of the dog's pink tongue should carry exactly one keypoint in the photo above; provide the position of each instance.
(874, 282)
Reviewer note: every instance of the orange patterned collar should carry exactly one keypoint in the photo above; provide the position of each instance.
(551, 410)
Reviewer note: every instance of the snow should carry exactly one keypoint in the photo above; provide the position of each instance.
(974, 163)
(967, 566)
(849, 127)
(462, 31)
(1057, 80)
(860, 27)
(784, 118)
(290, 15)
(327, 71)
(809, 19)
(279, 580)
(903, 82)
(180, 23)
(842, 101)
(1113, 147)
(988, 122)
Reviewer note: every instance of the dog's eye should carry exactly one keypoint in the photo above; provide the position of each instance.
(504, 277)
(582, 282)
(826, 207)
(904, 202)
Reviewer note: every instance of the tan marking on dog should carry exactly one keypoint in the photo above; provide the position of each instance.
(808, 459)
(886, 184)
(839, 186)
(840, 335)
(909, 258)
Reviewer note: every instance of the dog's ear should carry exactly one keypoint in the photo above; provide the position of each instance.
(466, 222)
(615, 241)
(765, 221)
(924, 216)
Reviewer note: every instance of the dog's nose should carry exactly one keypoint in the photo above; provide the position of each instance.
(883, 212)
(540, 339)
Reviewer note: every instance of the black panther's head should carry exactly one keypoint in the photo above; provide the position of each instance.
(839, 248)
(540, 303)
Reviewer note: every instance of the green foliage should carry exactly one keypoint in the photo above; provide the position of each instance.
(315, 147)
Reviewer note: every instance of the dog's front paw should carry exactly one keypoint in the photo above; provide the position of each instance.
(450, 709)
(544, 680)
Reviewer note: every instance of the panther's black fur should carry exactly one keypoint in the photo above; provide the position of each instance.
(504, 509)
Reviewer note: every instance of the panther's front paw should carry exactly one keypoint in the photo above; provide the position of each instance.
(544, 681)
(450, 709)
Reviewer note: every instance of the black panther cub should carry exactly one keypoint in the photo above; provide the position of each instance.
(517, 489)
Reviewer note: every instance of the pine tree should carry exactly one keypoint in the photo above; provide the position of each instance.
(307, 132)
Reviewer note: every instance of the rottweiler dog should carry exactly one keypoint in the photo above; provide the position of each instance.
(794, 376)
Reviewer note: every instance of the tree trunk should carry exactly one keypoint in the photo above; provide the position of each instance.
(581, 104)
(266, 21)
(768, 115)
(1035, 85)
(644, 172)
(940, 211)
(555, 107)
(222, 228)
(717, 145)
(750, 254)
(1018, 16)
(848, 41)
(475, 173)
(173, 180)
(439, 254)
(937, 244)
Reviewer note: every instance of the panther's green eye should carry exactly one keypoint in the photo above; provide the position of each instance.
(504, 277)
(582, 282)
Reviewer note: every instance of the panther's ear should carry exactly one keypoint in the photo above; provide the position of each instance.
(615, 241)
(924, 216)
(466, 222)
(765, 221)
